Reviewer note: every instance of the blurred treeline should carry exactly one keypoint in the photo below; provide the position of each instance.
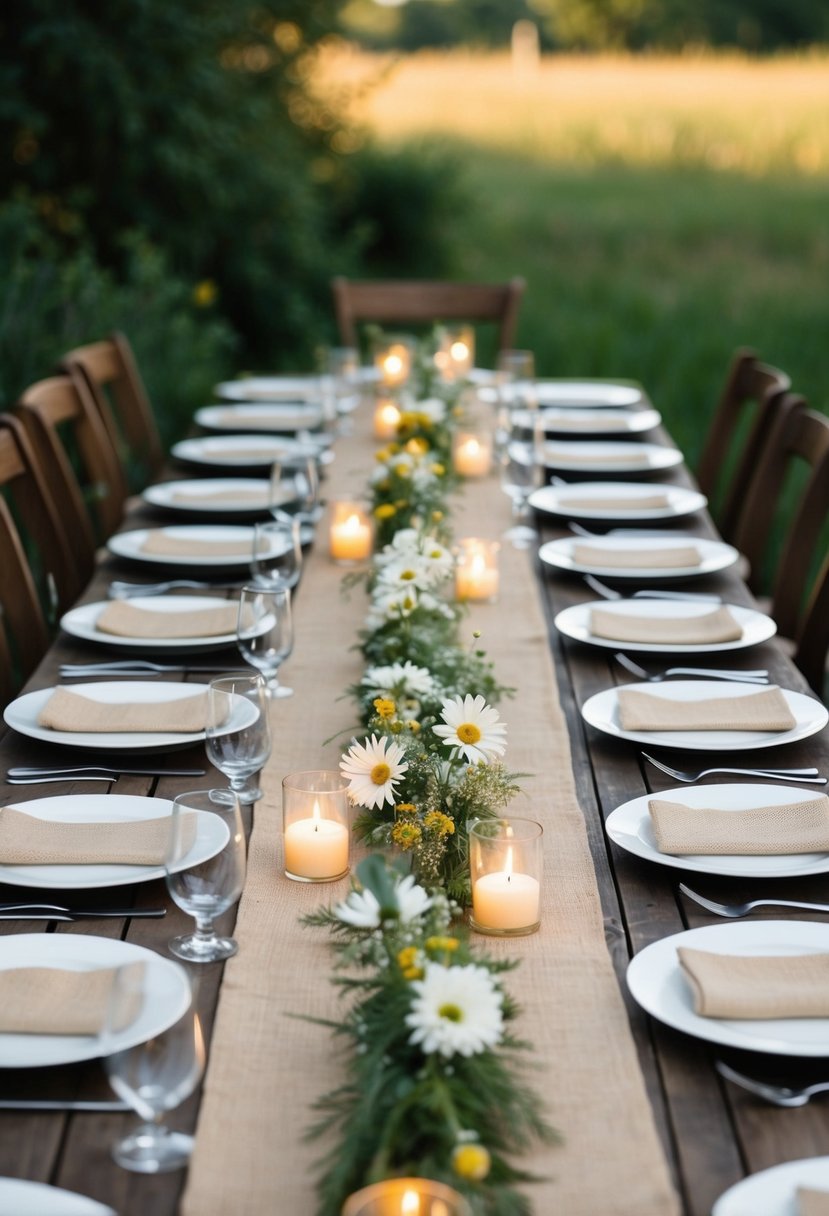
(752, 25)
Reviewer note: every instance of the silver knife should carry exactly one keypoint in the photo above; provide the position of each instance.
(76, 1104)
(20, 771)
(35, 912)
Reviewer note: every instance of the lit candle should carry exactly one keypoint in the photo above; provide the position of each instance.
(506, 900)
(456, 355)
(406, 1197)
(476, 569)
(386, 420)
(394, 363)
(316, 848)
(352, 536)
(472, 454)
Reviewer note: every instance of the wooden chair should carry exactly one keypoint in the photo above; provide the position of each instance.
(410, 301)
(812, 641)
(75, 451)
(747, 405)
(115, 383)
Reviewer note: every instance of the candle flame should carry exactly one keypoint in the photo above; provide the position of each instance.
(410, 1204)
(459, 351)
(473, 447)
(316, 815)
(508, 864)
(352, 524)
(478, 565)
(393, 365)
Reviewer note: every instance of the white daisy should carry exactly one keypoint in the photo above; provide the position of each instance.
(362, 908)
(394, 604)
(412, 900)
(473, 728)
(405, 572)
(433, 408)
(372, 769)
(399, 680)
(455, 1010)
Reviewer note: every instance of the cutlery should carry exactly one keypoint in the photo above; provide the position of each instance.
(608, 593)
(713, 673)
(121, 591)
(59, 912)
(631, 533)
(130, 667)
(75, 1104)
(775, 774)
(779, 1095)
(21, 772)
(736, 910)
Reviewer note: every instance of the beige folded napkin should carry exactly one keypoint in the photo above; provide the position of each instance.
(643, 502)
(577, 421)
(161, 543)
(26, 840)
(282, 421)
(50, 1000)
(791, 827)
(253, 498)
(128, 620)
(631, 557)
(766, 710)
(632, 459)
(68, 710)
(705, 629)
(811, 1202)
(264, 454)
(757, 986)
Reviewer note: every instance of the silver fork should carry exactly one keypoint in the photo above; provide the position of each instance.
(631, 533)
(809, 775)
(779, 1095)
(734, 911)
(758, 676)
(134, 667)
(608, 593)
(122, 591)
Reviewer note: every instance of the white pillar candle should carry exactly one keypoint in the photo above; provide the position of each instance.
(476, 569)
(506, 901)
(351, 537)
(316, 848)
(386, 420)
(394, 363)
(472, 454)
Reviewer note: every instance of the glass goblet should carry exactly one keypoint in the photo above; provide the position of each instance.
(339, 384)
(238, 737)
(299, 476)
(521, 473)
(210, 887)
(265, 633)
(153, 1077)
(277, 551)
(515, 379)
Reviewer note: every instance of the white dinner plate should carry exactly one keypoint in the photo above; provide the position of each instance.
(19, 1197)
(240, 451)
(188, 496)
(773, 1192)
(602, 711)
(21, 715)
(269, 388)
(715, 555)
(657, 984)
(128, 544)
(603, 456)
(166, 994)
(631, 828)
(582, 394)
(562, 500)
(285, 418)
(558, 420)
(574, 622)
(80, 623)
(211, 835)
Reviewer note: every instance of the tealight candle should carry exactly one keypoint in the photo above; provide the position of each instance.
(386, 419)
(316, 834)
(351, 538)
(393, 359)
(472, 453)
(406, 1197)
(456, 355)
(505, 859)
(476, 569)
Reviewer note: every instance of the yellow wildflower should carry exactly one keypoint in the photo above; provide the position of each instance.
(417, 447)
(471, 1161)
(205, 293)
(384, 707)
(385, 510)
(407, 960)
(405, 808)
(402, 470)
(438, 944)
(438, 469)
(440, 824)
(406, 835)
(412, 725)
(437, 516)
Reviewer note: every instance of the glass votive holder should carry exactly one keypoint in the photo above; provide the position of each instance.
(351, 534)
(505, 864)
(386, 419)
(393, 356)
(315, 829)
(455, 356)
(406, 1197)
(472, 453)
(476, 569)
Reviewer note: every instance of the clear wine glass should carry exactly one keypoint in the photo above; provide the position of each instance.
(265, 633)
(299, 475)
(277, 551)
(521, 473)
(238, 737)
(153, 1077)
(515, 379)
(210, 887)
(339, 385)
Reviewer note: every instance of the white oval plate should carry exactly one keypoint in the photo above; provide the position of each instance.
(602, 712)
(681, 501)
(21, 715)
(574, 622)
(80, 623)
(211, 835)
(581, 394)
(629, 826)
(21, 1198)
(189, 496)
(128, 544)
(239, 451)
(656, 983)
(600, 456)
(715, 555)
(592, 422)
(166, 994)
(773, 1192)
(285, 418)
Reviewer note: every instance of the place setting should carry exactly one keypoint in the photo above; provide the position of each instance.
(623, 501)
(281, 418)
(651, 557)
(215, 496)
(252, 451)
(659, 626)
(606, 456)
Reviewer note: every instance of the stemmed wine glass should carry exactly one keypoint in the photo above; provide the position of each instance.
(238, 737)
(277, 551)
(300, 475)
(515, 379)
(153, 1077)
(265, 633)
(207, 889)
(339, 367)
(521, 473)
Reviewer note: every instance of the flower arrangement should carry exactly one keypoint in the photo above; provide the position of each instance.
(433, 1084)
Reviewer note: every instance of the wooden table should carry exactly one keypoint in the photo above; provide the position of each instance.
(713, 1133)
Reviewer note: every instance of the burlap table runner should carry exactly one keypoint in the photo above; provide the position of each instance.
(26, 840)
(791, 827)
(762, 711)
(51, 1000)
(124, 619)
(267, 1068)
(757, 986)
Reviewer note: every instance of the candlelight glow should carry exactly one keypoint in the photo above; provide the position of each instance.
(410, 1204)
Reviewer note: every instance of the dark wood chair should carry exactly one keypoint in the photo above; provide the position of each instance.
(116, 386)
(812, 641)
(423, 303)
(750, 399)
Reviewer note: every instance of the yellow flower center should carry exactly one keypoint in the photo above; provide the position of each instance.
(408, 575)
(452, 1013)
(468, 732)
(380, 774)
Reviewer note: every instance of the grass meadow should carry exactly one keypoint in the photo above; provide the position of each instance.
(662, 210)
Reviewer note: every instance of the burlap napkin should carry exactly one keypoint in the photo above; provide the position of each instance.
(642, 502)
(811, 1202)
(162, 544)
(68, 710)
(631, 557)
(792, 827)
(705, 629)
(49, 1000)
(578, 421)
(632, 459)
(757, 986)
(766, 710)
(253, 498)
(26, 840)
(128, 620)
